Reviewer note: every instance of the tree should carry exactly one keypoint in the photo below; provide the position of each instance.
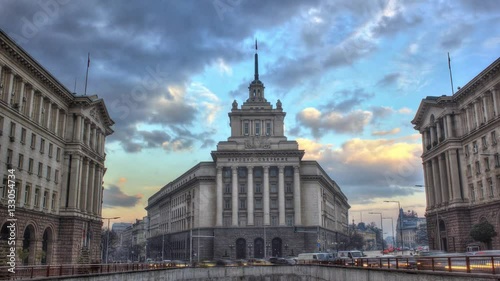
(483, 232)
(422, 238)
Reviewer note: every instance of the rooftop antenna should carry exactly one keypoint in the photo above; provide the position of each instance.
(451, 77)
(256, 62)
(74, 90)
(87, 75)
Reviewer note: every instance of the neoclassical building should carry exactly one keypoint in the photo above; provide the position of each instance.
(256, 198)
(461, 160)
(53, 140)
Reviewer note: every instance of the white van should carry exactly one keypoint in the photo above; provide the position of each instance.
(314, 257)
(348, 257)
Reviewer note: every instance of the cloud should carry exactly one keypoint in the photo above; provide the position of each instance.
(385, 133)
(320, 123)
(114, 197)
(370, 169)
(405, 110)
(454, 36)
(388, 80)
(346, 100)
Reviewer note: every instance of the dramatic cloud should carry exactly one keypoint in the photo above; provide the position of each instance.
(388, 80)
(345, 100)
(385, 133)
(114, 197)
(370, 169)
(320, 123)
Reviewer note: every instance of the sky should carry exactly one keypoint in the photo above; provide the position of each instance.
(350, 75)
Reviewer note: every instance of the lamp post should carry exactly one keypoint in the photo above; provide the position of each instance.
(392, 227)
(360, 215)
(107, 240)
(400, 217)
(381, 228)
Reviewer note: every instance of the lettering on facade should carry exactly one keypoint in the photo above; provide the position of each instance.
(259, 159)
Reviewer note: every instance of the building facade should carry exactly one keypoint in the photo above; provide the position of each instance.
(256, 199)
(461, 160)
(52, 155)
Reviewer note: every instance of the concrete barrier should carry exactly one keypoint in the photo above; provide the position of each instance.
(281, 273)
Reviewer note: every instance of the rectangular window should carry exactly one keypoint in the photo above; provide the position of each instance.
(227, 188)
(49, 171)
(42, 145)
(485, 144)
(53, 204)
(242, 172)
(474, 147)
(56, 176)
(30, 166)
(243, 188)
(480, 189)
(472, 192)
(274, 203)
(246, 128)
(27, 190)
(12, 132)
(44, 201)
(274, 220)
(1, 125)
(257, 127)
(490, 187)
(227, 221)
(58, 154)
(478, 168)
(268, 128)
(40, 169)
(288, 187)
(466, 149)
(227, 204)
(289, 203)
(258, 188)
(273, 172)
(497, 160)
(289, 220)
(33, 141)
(493, 138)
(23, 135)
(9, 156)
(50, 150)
(227, 172)
(257, 172)
(486, 164)
(258, 203)
(243, 204)
(274, 188)
(37, 196)
(20, 163)
(242, 221)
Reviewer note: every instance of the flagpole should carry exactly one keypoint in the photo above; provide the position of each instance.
(87, 75)
(451, 77)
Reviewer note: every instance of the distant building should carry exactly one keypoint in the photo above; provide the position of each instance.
(461, 159)
(52, 154)
(256, 198)
(410, 226)
(119, 227)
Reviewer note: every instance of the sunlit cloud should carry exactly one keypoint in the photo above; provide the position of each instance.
(385, 133)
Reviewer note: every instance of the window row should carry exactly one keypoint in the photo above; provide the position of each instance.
(260, 127)
(484, 143)
(481, 192)
(486, 165)
(259, 220)
(242, 203)
(31, 163)
(273, 172)
(258, 188)
(31, 198)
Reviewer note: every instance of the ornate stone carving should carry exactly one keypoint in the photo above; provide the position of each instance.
(258, 142)
(278, 105)
(235, 104)
(95, 115)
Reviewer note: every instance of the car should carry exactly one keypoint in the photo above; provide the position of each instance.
(207, 263)
(242, 262)
(284, 261)
(179, 263)
(258, 262)
(226, 263)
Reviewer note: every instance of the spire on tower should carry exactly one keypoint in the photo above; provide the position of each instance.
(256, 76)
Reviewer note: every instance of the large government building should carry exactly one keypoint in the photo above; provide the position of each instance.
(52, 155)
(461, 160)
(256, 199)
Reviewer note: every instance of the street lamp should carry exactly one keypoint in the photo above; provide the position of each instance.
(392, 227)
(400, 217)
(381, 228)
(107, 240)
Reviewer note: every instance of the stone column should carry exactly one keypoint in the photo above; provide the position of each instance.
(455, 178)
(495, 102)
(431, 132)
(64, 182)
(10, 87)
(84, 185)
(21, 188)
(94, 139)
(74, 185)
(266, 195)
(90, 190)
(40, 110)
(250, 207)
(97, 190)
(443, 179)
(438, 131)
(56, 122)
(426, 186)
(218, 217)
(103, 141)
(87, 132)
(296, 196)
(424, 141)
(281, 195)
(31, 102)
(63, 129)
(437, 184)
(21, 95)
(234, 196)
(485, 108)
(100, 190)
(476, 114)
(49, 117)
